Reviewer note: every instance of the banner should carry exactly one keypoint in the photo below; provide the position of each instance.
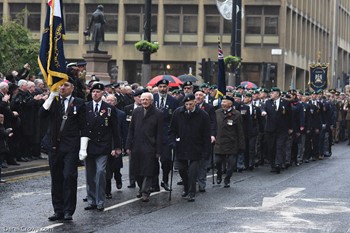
(51, 58)
(221, 73)
(318, 79)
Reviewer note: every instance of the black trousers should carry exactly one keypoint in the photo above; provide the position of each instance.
(188, 170)
(113, 170)
(165, 161)
(276, 143)
(64, 174)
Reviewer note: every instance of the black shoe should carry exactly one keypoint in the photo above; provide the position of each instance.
(22, 159)
(165, 186)
(226, 185)
(131, 186)
(13, 163)
(56, 216)
(67, 217)
(184, 194)
(108, 196)
(145, 197)
(306, 161)
(180, 182)
(278, 170)
(100, 208)
(85, 199)
(297, 164)
(139, 195)
(2, 181)
(4, 165)
(201, 190)
(191, 198)
(90, 207)
(119, 185)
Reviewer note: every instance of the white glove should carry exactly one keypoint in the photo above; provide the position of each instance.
(83, 146)
(48, 101)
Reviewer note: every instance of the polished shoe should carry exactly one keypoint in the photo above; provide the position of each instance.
(191, 198)
(297, 164)
(139, 195)
(226, 185)
(119, 185)
(56, 216)
(180, 182)
(2, 181)
(85, 199)
(4, 164)
(251, 168)
(278, 170)
(165, 186)
(184, 194)
(201, 190)
(108, 196)
(145, 197)
(306, 161)
(22, 159)
(273, 170)
(67, 217)
(131, 186)
(100, 208)
(90, 207)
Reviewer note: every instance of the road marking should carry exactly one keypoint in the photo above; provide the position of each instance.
(130, 201)
(46, 229)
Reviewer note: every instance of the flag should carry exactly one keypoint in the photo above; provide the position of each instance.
(318, 77)
(51, 58)
(221, 73)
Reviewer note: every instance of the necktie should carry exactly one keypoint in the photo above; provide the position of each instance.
(275, 103)
(63, 107)
(96, 108)
(161, 103)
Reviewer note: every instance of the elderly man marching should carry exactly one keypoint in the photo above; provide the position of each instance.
(190, 133)
(103, 132)
(144, 144)
(229, 139)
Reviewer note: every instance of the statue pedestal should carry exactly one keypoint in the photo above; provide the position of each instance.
(97, 64)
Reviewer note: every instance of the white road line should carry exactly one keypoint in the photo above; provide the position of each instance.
(46, 229)
(129, 201)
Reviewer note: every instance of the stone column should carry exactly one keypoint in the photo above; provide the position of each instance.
(97, 64)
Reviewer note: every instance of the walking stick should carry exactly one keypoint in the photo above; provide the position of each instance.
(172, 173)
(212, 161)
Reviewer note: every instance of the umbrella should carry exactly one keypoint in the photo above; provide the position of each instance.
(187, 77)
(248, 84)
(173, 81)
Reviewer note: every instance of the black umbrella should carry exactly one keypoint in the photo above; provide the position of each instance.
(187, 77)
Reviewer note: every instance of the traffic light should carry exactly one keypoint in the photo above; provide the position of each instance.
(271, 71)
(202, 68)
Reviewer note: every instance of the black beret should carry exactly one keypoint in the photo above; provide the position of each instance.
(276, 89)
(138, 92)
(188, 83)
(205, 85)
(226, 97)
(188, 97)
(248, 94)
(98, 86)
(109, 85)
(81, 63)
(163, 81)
(116, 85)
(71, 80)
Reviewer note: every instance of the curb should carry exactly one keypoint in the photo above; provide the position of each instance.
(25, 170)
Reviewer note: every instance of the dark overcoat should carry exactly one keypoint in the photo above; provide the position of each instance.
(191, 133)
(145, 140)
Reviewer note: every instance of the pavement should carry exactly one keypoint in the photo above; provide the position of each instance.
(26, 167)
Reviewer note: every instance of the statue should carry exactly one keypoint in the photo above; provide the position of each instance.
(98, 34)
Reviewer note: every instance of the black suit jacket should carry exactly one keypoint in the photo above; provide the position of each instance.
(75, 126)
(208, 108)
(280, 120)
(102, 129)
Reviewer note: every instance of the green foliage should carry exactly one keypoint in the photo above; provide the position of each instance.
(17, 48)
(232, 61)
(144, 46)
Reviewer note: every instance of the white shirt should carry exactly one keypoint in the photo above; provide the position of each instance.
(98, 107)
(66, 101)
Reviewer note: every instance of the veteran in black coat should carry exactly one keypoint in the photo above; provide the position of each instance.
(278, 127)
(190, 132)
(104, 135)
(66, 126)
(144, 143)
(167, 105)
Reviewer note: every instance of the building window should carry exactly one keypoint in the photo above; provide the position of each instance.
(71, 20)
(215, 23)
(180, 19)
(111, 16)
(27, 14)
(135, 18)
(261, 25)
